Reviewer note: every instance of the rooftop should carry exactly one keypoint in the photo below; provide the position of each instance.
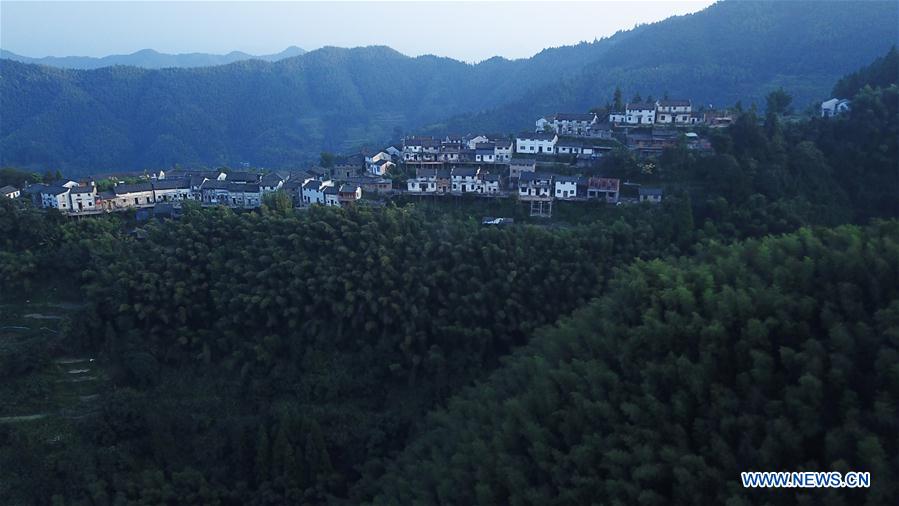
(537, 136)
(572, 116)
(674, 103)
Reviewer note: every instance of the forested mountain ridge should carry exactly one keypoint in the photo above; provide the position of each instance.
(283, 114)
(150, 59)
(732, 52)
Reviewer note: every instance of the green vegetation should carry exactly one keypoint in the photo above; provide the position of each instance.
(404, 354)
(285, 113)
(879, 74)
(774, 354)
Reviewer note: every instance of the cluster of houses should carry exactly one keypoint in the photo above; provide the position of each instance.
(668, 113)
(241, 190)
(489, 165)
(524, 180)
(494, 165)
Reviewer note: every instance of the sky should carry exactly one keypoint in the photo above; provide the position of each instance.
(468, 31)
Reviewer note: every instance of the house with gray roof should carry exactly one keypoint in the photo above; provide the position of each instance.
(10, 192)
(651, 195)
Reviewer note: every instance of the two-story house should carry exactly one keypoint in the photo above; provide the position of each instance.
(503, 150)
(534, 185)
(485, 152)
(83, 198)
(464, 179)
(565, 187)
(643, 113)
(676, 112)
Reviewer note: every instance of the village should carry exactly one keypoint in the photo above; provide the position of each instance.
(512, 166)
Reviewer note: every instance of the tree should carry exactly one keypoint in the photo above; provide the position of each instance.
(327, 159)
(778, 102)
(617, 101)
(278, 201)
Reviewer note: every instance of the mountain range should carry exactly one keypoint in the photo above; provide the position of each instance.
(284, 113)
(150, 59)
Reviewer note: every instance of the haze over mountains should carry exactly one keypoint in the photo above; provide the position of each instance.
(150, 59)
(284, 113)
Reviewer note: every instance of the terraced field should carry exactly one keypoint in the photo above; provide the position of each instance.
(39, 380)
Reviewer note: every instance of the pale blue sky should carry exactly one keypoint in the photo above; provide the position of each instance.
(470, 31)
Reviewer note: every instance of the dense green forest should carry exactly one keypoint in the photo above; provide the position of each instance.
(772, 354)
(285, 113)
(404, 355)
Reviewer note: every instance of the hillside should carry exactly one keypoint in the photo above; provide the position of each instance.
(282, 114)
(150, 59)
(405, 354)
(772, 354)
(730, 52)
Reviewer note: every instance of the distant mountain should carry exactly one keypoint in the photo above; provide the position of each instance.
(150, 59)
(269, 114)
(284, 113)
(732, 51)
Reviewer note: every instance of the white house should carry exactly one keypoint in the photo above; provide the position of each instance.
(488, 183)
(533, 185)
(834, 107)
(503, 150)
(425, 182)
(380, 167)
(420, 185)
(420, 149)
(172, 190)
(565, 187)
(55, 197)
(675, 112)
(332, 196)
(379, 163)
(464, 180)
(640, 114)
(450, 153)
(617, 118)
(536, 143)
(485, 152)
(10, 192)
(313, 191)
(83, 198)
(573, 147)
